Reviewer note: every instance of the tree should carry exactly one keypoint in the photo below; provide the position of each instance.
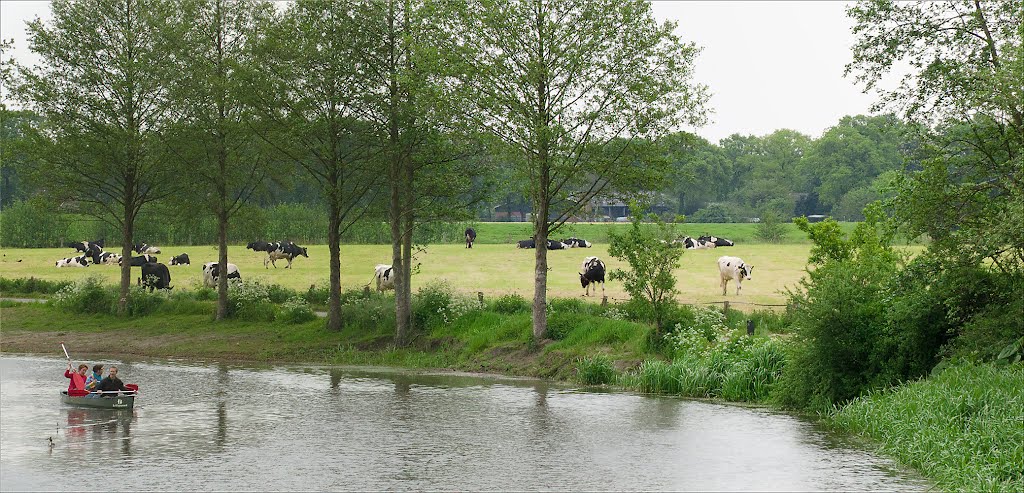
(313, 104)
(700, 171)
(651, 257)
(215, 134)
(574, 87)
(962, 93)
(405, 107)
(101, 89)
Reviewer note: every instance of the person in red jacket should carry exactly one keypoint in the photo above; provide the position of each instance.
(77, 384)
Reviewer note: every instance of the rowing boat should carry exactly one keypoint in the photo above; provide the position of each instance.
(101, 400)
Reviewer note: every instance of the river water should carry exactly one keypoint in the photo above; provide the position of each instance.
(217, 427)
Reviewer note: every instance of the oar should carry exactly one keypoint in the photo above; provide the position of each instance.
(65, 352)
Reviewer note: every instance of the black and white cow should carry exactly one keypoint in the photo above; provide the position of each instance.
(138, 261)
(80, 261)
(718, 242)
(526, 244)
(144, 248)
(733, 268)
(91, 249)
(259, 246)
(692, 244)
(284, 250)
(384, 275)
(180, 260)
(211, 273)
(470, 237)
(156, 276)
(108, 258)
(577, 243)
(557, 245)
(593, 273)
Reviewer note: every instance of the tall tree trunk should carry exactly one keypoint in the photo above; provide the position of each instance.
(334, 246)
(222, 260)
(398, 260)
(405, 310)
(540, 273)
(127, 232)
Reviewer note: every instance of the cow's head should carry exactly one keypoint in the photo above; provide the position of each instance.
(584, 282)
(745, 270)
(304, 253)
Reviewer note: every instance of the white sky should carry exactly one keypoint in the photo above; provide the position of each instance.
(769, 65)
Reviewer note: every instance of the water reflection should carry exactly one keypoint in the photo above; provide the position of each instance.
(363, 429)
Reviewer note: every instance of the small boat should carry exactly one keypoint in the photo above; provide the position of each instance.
(105, 400)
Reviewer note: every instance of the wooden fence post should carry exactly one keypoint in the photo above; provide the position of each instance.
(366, 291)
(480, 296)
(725, 310)
(750, 327)
(604, 300)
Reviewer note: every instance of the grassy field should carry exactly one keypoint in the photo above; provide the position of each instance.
(491, 269)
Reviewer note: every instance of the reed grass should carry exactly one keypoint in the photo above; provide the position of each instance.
(964, 427)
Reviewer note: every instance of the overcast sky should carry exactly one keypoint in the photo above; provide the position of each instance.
(769, 65)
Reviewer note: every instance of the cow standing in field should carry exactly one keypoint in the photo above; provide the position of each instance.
(470, 237)
(384, 275)
(593, 273)
(733, 269)
(284, 250)
(211, 273)
(156, 276)
(181, 260)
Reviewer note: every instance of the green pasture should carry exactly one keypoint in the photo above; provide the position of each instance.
(493, 269)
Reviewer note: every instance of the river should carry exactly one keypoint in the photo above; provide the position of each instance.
(231, 427)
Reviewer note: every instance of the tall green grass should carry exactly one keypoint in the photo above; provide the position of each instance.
(964, 427)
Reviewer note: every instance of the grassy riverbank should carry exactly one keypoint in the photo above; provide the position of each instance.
(961, 428)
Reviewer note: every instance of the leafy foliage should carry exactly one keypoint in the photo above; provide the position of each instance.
(651, 258)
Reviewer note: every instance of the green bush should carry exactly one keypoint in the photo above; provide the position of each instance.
(30, 285)
(249, 299)
(317, 294)
(295, 311)
(87, 295)
(560, 324)
(769, 230)
(369, 316)
(436, 305)
(277, 293)
(32, 223)
(142, 302)
(510, 304)
(596, 370)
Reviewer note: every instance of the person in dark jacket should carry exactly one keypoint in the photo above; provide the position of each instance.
(111, 383)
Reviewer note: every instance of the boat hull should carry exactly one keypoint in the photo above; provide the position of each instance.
(114, 402)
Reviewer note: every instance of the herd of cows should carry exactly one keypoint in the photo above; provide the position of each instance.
(156, 275)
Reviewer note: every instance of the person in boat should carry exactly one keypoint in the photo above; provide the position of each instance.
(77, 384)
(111, 383)
(92, 383)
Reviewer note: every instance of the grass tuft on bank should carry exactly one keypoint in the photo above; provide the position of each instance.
(963, 427)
